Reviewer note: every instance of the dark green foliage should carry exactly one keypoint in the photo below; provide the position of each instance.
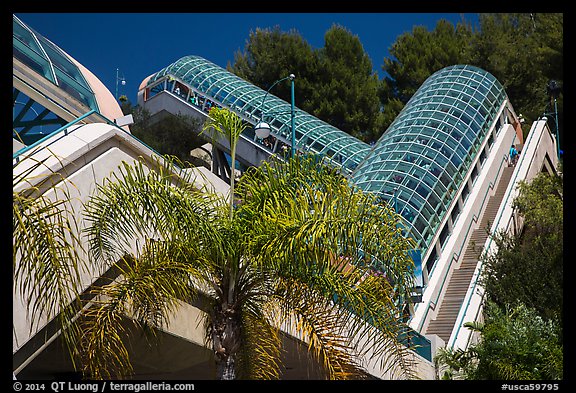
(518, 344)
(172, 135)
(541, 203)
(336, 83)
(524, 52)
(528, 272)
(270, 55)
(529, 268)
(419, 54)
(348, 89)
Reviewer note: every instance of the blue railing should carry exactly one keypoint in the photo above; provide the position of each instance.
(495, 225)
(64, 128)
(416, 342)
(456, 255)
(16, 156)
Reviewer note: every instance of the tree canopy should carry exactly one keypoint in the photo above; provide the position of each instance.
(337, 83)
(522, 337)
(528, 267)
(296, 248)
(523, 51)
(173, 135)
(516, 344)
(420, 53)
(270, 55)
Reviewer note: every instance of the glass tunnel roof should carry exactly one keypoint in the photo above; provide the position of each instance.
(418, 164)
(42, 56)
(242, 97)
(427, 151)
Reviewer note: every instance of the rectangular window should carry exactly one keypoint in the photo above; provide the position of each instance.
(482, 157)
(456, 160)
(423, 191)
(429, 180)
(431, 261)
(411, 184)
(420, 225)
(465, 192)
(444, 235)
(433, 200)
(34, 61)
(490, 140)
(455, 213)
(444, 179)
(415, 202)
(474, 174)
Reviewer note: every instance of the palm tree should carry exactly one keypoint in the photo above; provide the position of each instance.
(296, 254)
(46, 267)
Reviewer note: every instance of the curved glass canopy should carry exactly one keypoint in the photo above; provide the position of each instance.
(228, 90)
(42, 56)
(422, 159)
(419, 163)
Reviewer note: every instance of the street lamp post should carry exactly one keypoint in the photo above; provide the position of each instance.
(121, 79)
(262, 129)
(293, 151)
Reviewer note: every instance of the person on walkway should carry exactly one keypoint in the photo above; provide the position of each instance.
(513, 155)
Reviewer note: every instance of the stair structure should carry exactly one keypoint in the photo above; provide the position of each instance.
(462, 276)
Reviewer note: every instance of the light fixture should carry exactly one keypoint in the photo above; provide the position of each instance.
(126, 120)
(121, 79)
(521, 118)
(262, 130)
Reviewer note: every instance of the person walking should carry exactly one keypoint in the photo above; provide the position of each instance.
(513, 155)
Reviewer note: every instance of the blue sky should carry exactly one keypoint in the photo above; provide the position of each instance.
(139, 44)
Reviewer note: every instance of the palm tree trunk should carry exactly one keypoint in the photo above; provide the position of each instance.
(226, 369)
(232, 174)
(225, 341)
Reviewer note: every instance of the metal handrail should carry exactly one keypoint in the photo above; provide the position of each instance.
(457, 254)
(495, 225)
(64, 128)
(16, 156)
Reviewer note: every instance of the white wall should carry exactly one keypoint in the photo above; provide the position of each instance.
(77, 162)
(468, 220)
(538, 146)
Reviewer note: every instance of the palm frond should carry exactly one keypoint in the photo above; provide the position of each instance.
(46, 246)
(146, 292)
(315, 321)
(102, 346)
(139, 203)
(222, 121)
(259, 356)
(315, 231)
